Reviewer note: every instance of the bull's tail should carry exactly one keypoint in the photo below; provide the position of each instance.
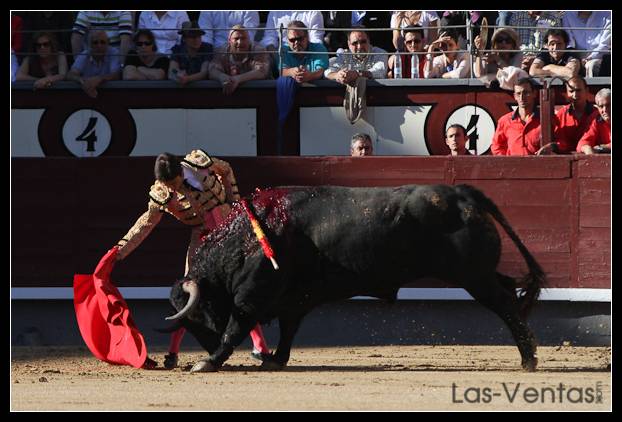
(535, 279)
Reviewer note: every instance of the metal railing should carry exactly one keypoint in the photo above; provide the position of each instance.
(279, 52)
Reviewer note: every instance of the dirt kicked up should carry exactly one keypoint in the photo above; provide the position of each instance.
(357, 378)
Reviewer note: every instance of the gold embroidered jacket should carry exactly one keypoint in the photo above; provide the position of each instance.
(209, 186)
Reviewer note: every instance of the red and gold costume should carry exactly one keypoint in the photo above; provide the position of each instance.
(202, 202)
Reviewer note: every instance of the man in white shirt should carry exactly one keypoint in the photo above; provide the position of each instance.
(217, 25)
(582, 39)
(312, 19)
(165, 26)
(348, 65)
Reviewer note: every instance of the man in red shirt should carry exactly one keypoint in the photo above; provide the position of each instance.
(518, 132)
(574, 119)
(598, 136)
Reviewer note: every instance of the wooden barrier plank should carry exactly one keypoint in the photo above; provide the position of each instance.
(489, 167)
(509, 192)
(595, 216)
(593, 191)
(594, 166)
(540, 240)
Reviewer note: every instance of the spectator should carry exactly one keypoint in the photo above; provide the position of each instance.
(518, 132)
(401, 19)
(538, 21)
(118, 27)
(376, 20)
(554, 62)
(361, 145)
(239, 61)
(503, 66)
(574, 119)
(349, 65)
(145, 63)
(414, 43)
(51, 21)
(190, 60)
(455, 138)
(165, 26)
(503, 19)
(297, 63)
(353, 69)
(98, 64)
(334, 40)
(598, 136)
(46, 65)
(218, 24)
(597, 40)
(449, 64)
(14, 65)
(312, 19)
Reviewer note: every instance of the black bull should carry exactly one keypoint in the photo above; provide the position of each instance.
(333, 243)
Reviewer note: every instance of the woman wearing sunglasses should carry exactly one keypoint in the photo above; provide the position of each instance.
(45, 65)
(503, 64)
(144, 62)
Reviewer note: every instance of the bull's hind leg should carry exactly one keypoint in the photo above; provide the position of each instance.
(497, 293)
(288, 326)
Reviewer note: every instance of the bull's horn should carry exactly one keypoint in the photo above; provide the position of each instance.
(192, 289)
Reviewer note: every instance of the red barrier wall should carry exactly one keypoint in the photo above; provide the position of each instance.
(66, 213)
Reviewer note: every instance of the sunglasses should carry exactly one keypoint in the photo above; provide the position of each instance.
(299, 39)
(141, 43)
(99, 42)
(42, 44)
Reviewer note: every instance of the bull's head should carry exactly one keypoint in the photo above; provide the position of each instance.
(178, 293)
(200, 313)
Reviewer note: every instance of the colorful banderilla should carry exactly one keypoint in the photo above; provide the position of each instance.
(263, 240)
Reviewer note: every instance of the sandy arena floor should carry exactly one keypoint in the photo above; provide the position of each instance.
(357, 378)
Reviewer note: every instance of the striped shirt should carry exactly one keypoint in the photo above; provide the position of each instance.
(114, 23)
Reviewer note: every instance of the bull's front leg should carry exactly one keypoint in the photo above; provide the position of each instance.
(239, 326)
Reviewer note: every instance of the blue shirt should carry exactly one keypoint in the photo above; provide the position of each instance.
(86, 65)
(312, 62)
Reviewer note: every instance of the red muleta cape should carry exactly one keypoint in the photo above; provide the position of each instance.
(104, 318)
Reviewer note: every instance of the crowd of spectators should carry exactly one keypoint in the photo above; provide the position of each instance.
(232, 47)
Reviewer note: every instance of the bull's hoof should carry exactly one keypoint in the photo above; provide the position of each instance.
(204, 366)
(171, 360)
(272, 365)
(530, 365)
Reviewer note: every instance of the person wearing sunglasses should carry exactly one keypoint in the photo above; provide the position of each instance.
(349, 65)
(502, 66)
(98, 64)
(145, 63)
(46, 65)
(414, 42)
(503, 39)
(297, 62)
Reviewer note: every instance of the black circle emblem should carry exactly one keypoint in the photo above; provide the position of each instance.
(87, 132)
